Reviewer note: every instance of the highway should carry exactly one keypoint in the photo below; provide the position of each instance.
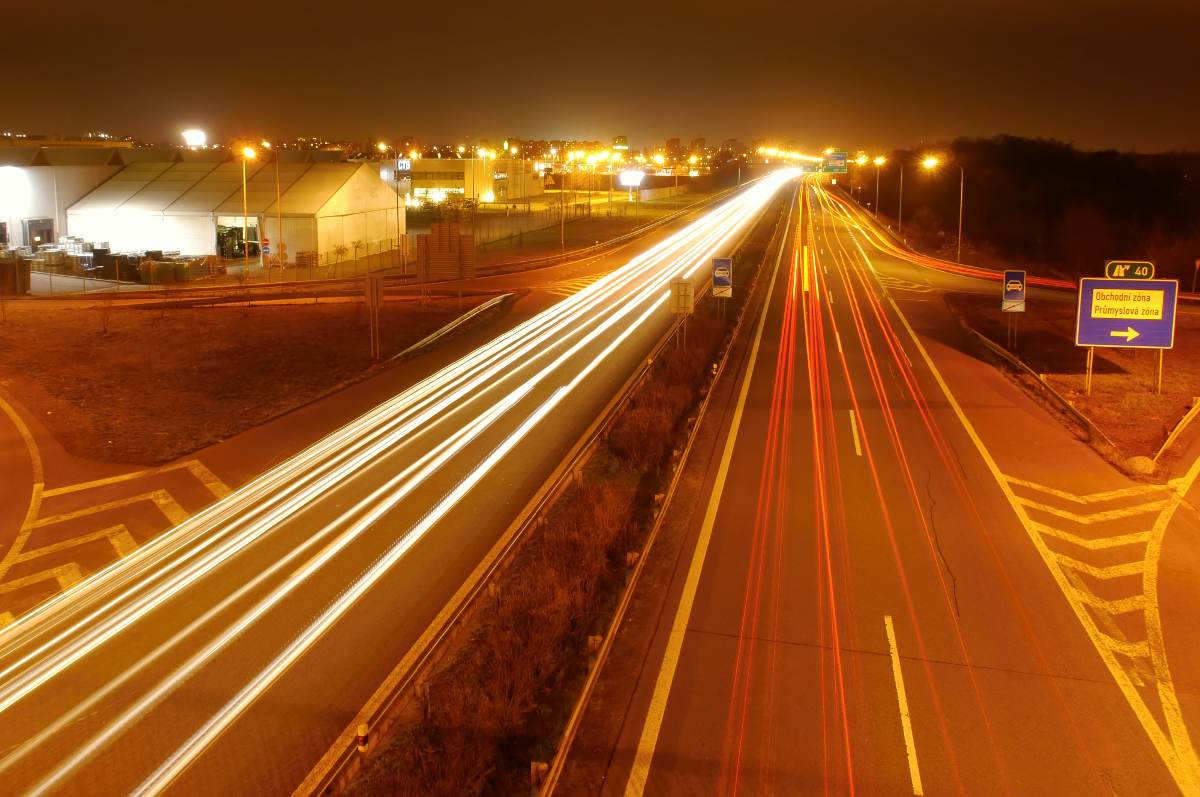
(226, 655)
(905, 577)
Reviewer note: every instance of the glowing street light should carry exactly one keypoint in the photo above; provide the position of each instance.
(861, 160)
(932, 163)
(878, 161)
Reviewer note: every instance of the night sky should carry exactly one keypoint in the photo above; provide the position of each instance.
(870, 75)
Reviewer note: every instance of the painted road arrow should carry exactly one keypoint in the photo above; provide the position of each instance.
(1129, 333)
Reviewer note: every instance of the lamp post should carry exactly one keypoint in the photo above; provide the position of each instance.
(383, 150)
(932, 163)
(248, 154)
(278, 213)
(879, 161)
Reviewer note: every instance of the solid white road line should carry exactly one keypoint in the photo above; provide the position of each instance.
(910, 746)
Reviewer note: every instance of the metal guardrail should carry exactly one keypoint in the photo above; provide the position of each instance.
(343, 758)
(1183, 424)
(437, 335)
(1092, 430)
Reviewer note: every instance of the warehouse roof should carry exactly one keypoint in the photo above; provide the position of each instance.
(186, 186)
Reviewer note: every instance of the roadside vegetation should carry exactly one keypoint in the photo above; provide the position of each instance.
(1046, 205)
(501, 699)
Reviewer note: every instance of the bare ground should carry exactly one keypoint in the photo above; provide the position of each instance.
(157, 386)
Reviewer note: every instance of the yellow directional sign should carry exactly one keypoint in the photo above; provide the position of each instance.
(1127, 303)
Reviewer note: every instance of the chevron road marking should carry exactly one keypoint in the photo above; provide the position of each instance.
(118, 535)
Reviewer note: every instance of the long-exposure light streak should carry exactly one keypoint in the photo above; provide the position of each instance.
(249, 694)
(101, 624)
(124, 594)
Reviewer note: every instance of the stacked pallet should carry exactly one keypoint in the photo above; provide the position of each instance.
(445, 253)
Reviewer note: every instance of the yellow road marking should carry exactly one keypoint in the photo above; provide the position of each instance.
(88, 485)
(118, 536)
(1134, 650)
(640, 771)
(910, 744)
(6, 618)
(1133, 603)
(854, 432)
(1103, 572)
(1097, 517)
(65, 575)
(1089, 498)
(1174, 746)
(35, 454)
(205, 476)
(1098, 544)
(169, 506)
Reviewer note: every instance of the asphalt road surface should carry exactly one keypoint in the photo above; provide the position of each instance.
(225, 656)
(911, 579)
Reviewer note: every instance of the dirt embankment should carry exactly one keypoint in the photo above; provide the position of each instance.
(146, 386)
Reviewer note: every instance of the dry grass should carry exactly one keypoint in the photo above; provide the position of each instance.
(1123, 403)
(144, 386)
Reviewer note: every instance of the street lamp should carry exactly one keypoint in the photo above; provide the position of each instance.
(278, 213)
(248, 154)
(931, 163)
(878, 161)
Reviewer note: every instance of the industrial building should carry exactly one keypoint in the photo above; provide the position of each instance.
(485, 180)
(39, 183)
(191, 202)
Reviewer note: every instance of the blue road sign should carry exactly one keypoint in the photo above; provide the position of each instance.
(722, 276)
(1126, 313)
(1012, 298)
(835, 163)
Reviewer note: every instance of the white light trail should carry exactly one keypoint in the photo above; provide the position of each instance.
(129, 592)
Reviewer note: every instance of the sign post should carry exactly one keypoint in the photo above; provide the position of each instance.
(373, 288)
(1126, 313)
(683, 302)
(1012, 301)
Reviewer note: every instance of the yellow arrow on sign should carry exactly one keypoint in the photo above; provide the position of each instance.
(1129, 333)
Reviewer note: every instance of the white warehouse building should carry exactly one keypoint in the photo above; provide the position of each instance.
(39, 183)
(192, 204)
